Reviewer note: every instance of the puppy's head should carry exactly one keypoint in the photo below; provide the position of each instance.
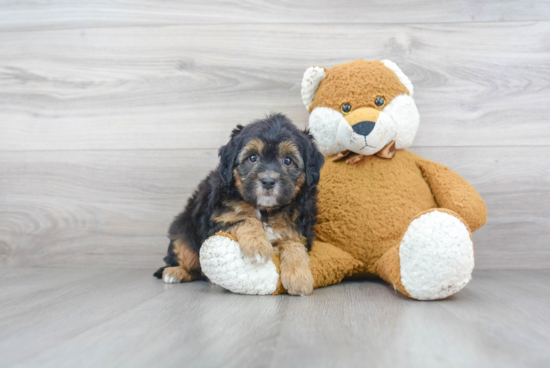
(270, 162)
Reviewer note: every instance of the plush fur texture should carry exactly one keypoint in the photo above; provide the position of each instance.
(323, 124)
(399, 73)
(225, 265)
(379, 210)
(265, 185)
(367, 127)
(366, 208)
(312, 78)
(358, 83)
(436, 256)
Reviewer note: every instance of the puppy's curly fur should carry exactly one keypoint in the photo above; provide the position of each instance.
(263, 193)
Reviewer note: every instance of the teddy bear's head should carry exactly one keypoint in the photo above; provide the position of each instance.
(361, 106)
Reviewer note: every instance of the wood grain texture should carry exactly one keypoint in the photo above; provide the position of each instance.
(111, 111)
(25, 15)
(186, 86)
(113, 208)
(107, 204)
(481, 326)
(126, 318)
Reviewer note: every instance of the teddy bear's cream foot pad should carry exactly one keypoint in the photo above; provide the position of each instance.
(224, 264)
(436, 256)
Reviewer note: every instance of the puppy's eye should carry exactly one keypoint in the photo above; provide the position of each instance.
(253, 159)
(379, 101)
(287, 161)
(346, 108)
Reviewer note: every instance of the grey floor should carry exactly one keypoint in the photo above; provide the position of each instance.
(125, 318)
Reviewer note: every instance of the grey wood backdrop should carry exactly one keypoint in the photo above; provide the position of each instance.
(111, 112)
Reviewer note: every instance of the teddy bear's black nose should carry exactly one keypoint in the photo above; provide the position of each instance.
(363, 128)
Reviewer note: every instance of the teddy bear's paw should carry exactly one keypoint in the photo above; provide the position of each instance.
(225, 265)
(436, 256)
(297, 280)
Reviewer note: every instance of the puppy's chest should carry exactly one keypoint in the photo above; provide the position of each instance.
(278, 229)
(273, 236)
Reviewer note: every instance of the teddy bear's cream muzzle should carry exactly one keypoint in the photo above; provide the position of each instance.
(366, 131)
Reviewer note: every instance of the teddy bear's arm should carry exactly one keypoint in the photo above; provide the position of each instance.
(453, 192)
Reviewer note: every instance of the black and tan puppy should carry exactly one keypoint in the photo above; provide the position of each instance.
(264, 194)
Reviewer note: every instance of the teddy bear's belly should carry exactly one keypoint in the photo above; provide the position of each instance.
(366, 208)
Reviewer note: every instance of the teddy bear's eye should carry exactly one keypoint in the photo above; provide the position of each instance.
(379, 101)
(346, 108)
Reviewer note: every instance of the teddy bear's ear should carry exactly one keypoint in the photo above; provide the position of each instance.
(313, 76)
(402, 77)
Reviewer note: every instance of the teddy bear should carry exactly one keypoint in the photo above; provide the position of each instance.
(409, 220)
(383, 211)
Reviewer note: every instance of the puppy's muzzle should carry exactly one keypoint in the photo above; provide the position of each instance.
(363, 120)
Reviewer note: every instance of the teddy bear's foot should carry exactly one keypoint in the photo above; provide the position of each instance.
(436, 256)
(224, 264)
(434, 260)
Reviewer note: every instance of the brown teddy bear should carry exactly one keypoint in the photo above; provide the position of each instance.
(407, 219)
(386, 211)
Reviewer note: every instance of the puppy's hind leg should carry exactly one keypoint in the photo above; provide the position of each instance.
(174, 275)
(188, 266)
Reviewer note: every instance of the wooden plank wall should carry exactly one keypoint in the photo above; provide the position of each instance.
(111, 112)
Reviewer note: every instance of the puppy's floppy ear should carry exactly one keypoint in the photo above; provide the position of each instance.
(314, 161)
(228, 155)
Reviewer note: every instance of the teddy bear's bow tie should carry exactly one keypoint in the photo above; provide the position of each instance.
(387, 152)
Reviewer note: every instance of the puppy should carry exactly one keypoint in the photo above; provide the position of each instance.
(264, 194)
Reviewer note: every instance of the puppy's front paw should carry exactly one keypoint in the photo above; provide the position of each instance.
(297, 280)
(257, 249)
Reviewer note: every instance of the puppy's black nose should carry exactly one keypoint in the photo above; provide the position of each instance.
(363, 128)
(268, 183)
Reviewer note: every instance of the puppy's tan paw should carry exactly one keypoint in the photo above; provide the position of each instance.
(297, 280)
(257, 249)
(173, 275)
